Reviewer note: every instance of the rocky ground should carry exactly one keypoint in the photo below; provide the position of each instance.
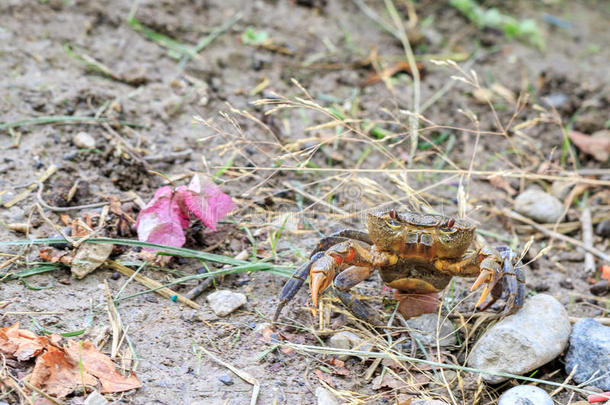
(113, 99)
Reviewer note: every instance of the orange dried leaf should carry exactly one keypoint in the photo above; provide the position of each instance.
(100, 365)
(58, 374)
(324, 377)
(56, 256)
(20, 343)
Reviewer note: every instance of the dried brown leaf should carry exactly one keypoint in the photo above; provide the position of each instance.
(597, 145)
(100, 365)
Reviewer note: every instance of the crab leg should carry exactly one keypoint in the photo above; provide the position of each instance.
(344, 282)
(295, 283)
(341, 236)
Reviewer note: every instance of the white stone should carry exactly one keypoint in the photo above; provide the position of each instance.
(539, 206)
(83, 140)
(524, 341)
(525, 395)
(95, 398)
(424, 328)
(348, 341)
(223, 302)
(325, 397)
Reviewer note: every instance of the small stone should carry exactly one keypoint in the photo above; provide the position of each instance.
(603, 228)
(115, 275)
(525, 395)
(84, 141)
(348, 341)
(95, 398)
(539, 206)
(226, 379)
(561, 188)
(526, 340)
(556, 100)
(590, 350)
(223, 302)
(428, 402)
(325, 397)
(424, 328)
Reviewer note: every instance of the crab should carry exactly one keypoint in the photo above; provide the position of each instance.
(416, 254)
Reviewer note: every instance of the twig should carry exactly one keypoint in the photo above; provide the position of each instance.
(240, 373)
(404, 39)
(152, 284)
(315, 199)
(587, 240)
(548, 232)
(63, 119)
(32, 186)
(568, 378)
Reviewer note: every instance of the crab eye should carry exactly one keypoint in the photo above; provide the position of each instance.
(450, 223)
(392, 214)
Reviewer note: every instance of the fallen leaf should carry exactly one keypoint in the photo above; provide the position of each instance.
(501, 183)
(57, 374)
(56, 256)
(338, 367)
(387, 381)
(99, 365)
(58, 370)
(605, 269)
(206, 201)
(599, 397)
(597, 145)
(163, 219)
(20, 343)
(403, 66)
(324, 377)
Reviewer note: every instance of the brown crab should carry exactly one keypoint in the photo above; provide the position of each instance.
(415, 254)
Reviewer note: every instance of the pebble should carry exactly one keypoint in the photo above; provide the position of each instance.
(424, 329)
(525, 395)
(226, 379)
(349, 341)
(428, 402)
(561, 188)
(524, 341)
(84, 141)
(539, 206)
(95, 398)
(325, 397)
(590, 350)
(223, 302)
(603, 228)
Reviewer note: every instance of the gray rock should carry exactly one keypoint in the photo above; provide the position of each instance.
(95, 398)
(603, 228)
(325, 397)
(349, 341)
(226, 379)
(590, 350)
(525, 395)
(424, 328)
(83, 140)
(428, 402)
(539, 206)
(223, 302)
(526, 340)
(561, 188)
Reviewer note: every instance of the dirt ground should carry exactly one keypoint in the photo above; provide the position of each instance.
(292, 178)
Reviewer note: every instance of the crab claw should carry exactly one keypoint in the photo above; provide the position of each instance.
(321, 276)
(486, 276)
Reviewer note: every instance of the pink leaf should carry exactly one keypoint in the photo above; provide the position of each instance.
(162, 220)
(207, 202)
(597, 144)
